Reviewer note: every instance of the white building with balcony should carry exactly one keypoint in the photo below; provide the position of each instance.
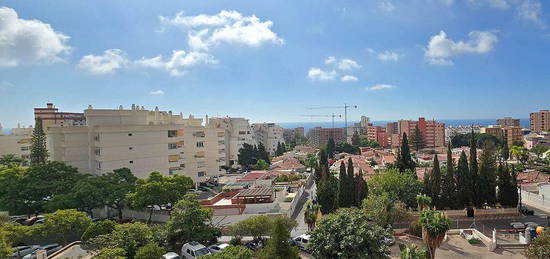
(237, 132)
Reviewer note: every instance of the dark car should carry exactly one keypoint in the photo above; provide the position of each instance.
(254, 245)
(20, 251)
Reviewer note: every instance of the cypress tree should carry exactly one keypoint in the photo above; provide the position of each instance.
(486, 184)
(448, 185)
(417, 139)
(362, 189)
(351, 183)
(39, 152)
(435, 184)
(474, 169)
(514, 197)
(343, 187)
(428, 183)
(464, 181)
(504, 186)
(331, 147)
(404, 159)
(322, 171)
(505, 151)
(327, 194)
(262, 153)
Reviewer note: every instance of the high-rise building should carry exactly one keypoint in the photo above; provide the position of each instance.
(540, 121)
(52, 116)
(141, 140)
(319, 137)
(508, 122)
(237, 132)
(378, 134)
(365, 121)
(293, 133)
(510, 134)
(18, 142)
(269, 134)
(433, 133)
(392, 128)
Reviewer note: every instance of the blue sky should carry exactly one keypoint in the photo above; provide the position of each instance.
(268, 60)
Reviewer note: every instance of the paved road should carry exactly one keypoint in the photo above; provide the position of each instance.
(302, 227)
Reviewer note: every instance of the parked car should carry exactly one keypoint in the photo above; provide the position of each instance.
(217, 248)
(526, 211)
(171, 255)
(254, 245)
(517, 225)
(30, 221)
(193, 250)
(50, 249)
(389, 240)
(301, 241)
(533, 225)
(20, 251)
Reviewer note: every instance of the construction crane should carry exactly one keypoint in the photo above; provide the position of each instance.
(331, 115)
(345, 107)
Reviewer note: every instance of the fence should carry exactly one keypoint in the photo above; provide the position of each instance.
(535, 200)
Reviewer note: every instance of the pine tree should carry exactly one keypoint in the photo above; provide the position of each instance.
(404, 159)
(331, 148)
(355, 140)
(435, 180)
(464, 181)
(448, 184)
(351, 183)
(474, 169)
(262, 153)
(417, 139)
(343, 187)
(39, 152)
(362, 189)
(486, 184)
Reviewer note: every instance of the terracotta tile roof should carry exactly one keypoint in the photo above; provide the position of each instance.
(359, 163)
(531, 177)
(287, 163)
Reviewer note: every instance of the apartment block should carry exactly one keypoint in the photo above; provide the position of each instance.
(50, 115)
(292, 133)
(378, 134)
(141, 140)
(18, 142)
(508, 122)
(269, 134)
(540, 121)
(510, 134)
(432, 132)
(392, 128)
(237, 132)
(319, 137)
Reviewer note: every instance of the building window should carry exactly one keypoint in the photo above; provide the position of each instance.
(242, 132)
(130, 148)
(131, 161)
(201, 174)
(96, 137)
(129, 134)
(173, 158)
(97, 151)
(24, 148)
(172, 133)
(199, 134)
(200, 144)
(172, 145)
(201, 164)
(98, 164)
(182, 165)
(173, 170)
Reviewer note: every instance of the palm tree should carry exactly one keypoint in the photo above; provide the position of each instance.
(311, 214)
(434, 226)
(423, 201)
(412, 251)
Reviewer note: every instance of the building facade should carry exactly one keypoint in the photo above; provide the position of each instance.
(52, 116)
(510, 134)
(319, 137)
(269, 134)
(508, 122)
(237, 132)
(291, 134)
(378, 134)
(540, 121)
(433, 133)
(18, 142)
(141, 140)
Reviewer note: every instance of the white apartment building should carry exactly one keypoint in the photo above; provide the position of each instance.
(18, 142)
(269, 134)
(237, 132)
(141, 140)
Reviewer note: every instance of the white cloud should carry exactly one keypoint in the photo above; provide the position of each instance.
(498, 4)
(108, 63)
(330, 60)
(347, 64)
(179, 63)
(440, 49)
(349, 78)
(386, 5)
(156, 92)
(388, 56)
(531, 10)
(230, 27)
(28, 41)
(379, 87)
(317, 74)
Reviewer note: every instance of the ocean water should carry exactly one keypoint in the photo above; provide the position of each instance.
(340, 124)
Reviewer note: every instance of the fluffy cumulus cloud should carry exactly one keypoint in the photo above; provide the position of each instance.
(179, 63)
(108, 63)
(531, 11)
(343, 63)
(317, 74)
(230, 27)
(156, 92)
(28, 41)
(388, 56)
(441, 50)
(349, 78)
(379, 87)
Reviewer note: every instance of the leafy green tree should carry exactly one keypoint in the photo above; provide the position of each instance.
(355, 140)
(404, 159)
(6, 250)
(150, 251)
(385, 211)
(232, 252)
(128, 237)
(486, 183)
(505, 152)
(473, 170)
(399, 187)
(344, 147)
(191, 222)
(98, 228)
(464, 182)
(111, 253)
(327, 194)
(278, 246)
(434, 226)
(361, 189)
(12, 198)
(68, 225)
(262, 153)
(514, 195)
(538, 149)
(507, 190)
(12, 158)
(331, 148)
(412, 251)
(311, 161)
(311, 214)
(118, 184)
(257, 227)
(246, 155)
(39, 152)
(89, 193)
(348, 233)
(417, 140)
(540, 247)
(449, 194)
(435, 185)
(261, 165)
(365, 142)
(423, 201)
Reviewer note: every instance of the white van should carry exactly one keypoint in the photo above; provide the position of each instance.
(301, 241)
(193, 250)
